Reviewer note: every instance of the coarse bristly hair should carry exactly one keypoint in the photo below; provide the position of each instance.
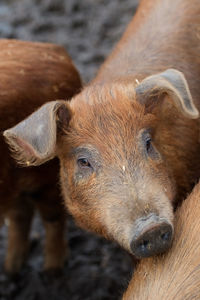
(175, 275)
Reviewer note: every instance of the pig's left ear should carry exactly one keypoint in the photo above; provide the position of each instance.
(33, 141)
(171, 83)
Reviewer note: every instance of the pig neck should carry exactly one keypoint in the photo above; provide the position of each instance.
(162, 35)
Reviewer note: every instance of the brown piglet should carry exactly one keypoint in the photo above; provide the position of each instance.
(128, 144)
(31, 74)
(175, 275)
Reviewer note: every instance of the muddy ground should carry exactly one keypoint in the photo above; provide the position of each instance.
(88, 29)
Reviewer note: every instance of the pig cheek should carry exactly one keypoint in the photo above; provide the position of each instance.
(67, 189)
(82, 203)
(169, 184)
(91, 214)
(160, 174)
(72, 193)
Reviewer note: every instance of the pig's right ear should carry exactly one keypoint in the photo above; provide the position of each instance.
(33, 140)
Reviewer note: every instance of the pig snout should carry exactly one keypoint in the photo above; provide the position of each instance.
(154, 236)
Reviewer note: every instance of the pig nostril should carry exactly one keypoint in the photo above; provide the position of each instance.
(166, 236)
(144, 244)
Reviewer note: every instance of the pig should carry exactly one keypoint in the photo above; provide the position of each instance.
(176, 274)
(128, 143)
(30, 74)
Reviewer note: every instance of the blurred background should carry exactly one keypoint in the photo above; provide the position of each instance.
(88, 29)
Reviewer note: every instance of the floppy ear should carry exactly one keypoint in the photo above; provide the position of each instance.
(33, 140)
(171, 83)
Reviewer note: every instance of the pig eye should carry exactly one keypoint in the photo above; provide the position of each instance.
(150, 149)
(148, 145)
(84, 163)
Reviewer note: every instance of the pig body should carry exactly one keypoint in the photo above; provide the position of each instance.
(128, 144)
(30, 74)
(175, 275)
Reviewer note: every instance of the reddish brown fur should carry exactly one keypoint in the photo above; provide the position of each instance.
(30, 74)
(164, 35)
(108, 119)
(100, 196)
(175, 275)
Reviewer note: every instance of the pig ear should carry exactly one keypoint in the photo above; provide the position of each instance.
(33, 140)
(171, 83)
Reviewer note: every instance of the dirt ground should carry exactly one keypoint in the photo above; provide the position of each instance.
(88, 29)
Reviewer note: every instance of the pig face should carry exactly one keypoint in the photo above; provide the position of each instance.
(114, 177)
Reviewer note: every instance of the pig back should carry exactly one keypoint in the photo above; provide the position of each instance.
(30, 75)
